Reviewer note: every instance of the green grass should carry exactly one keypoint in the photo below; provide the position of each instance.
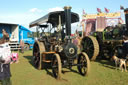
(102, 72)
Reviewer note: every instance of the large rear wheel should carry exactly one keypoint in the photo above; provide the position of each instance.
(90, 46)
(38, 49)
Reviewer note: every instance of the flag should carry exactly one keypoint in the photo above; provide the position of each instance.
(106, 10)
(99, 10)
(83, 12)
(121, 7)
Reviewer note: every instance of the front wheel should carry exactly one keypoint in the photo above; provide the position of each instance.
(83, 64)
(56, 66)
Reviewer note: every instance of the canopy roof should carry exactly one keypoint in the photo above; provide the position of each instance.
(7, 23)
(53, 18)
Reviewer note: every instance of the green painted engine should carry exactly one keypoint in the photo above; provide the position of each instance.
(107, 43)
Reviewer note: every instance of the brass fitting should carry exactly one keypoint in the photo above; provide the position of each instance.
(67, 7)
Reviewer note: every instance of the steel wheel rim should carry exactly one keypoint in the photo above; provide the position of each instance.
(84, 65)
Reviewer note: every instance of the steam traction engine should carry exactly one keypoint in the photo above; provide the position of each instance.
(107, 43)
(55, 47)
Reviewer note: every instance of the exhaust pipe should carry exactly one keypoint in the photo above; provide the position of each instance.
(67, 10)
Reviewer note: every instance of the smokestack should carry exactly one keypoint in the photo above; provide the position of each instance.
(126, 18)
(67, 10)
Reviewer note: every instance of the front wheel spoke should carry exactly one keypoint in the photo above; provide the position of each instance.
(84, 60)
(84, 69)
(84, 64)
(81, 58)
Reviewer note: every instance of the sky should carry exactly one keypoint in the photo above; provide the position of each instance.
(23, 12)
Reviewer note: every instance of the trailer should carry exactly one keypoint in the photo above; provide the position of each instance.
(16, 33)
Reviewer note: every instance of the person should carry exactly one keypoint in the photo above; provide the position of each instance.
(5, 73)
(5, 35)
(79, 40)
(22, 46)
(125, 46)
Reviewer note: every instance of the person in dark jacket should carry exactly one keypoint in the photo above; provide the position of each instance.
(125, 46)
(5, 74)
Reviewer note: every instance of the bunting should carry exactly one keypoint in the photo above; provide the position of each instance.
(83, 12)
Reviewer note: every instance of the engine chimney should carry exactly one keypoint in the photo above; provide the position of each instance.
(67, 10)
(126, 19)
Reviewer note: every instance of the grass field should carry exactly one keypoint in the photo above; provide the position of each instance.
(102, 72)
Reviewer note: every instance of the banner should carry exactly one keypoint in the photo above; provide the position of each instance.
(107, 15)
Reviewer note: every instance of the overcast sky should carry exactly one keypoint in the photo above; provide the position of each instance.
(25, 11)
